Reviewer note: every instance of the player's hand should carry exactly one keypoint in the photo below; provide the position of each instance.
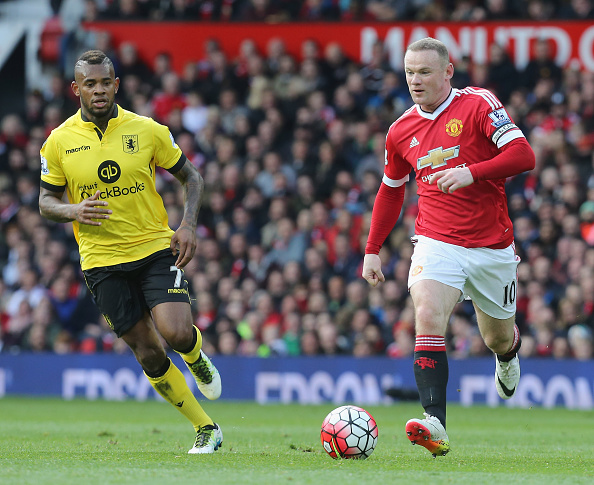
(91, 209)
(452, 179)
(183, 244)
(372, 269)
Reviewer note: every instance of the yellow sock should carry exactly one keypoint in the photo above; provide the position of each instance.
(194, 354)
(174, 389)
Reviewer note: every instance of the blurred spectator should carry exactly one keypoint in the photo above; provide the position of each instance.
(179, 10)
(539, 9)
(12, 136)
(390, 10)
(28, 290)
(576, 10)
(263, 11)
(129, 63)
(319, 11)
(275, 49)
(373, 71)
(581, 342)
(542, 66)
(126, 10)
(310, 343)
(587, 221)
(169, 98)
(502, 74)
(500, 10)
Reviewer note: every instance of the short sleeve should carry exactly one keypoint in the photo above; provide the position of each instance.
(496, 123)
(52, 175)
(396, 169)
(167, 153)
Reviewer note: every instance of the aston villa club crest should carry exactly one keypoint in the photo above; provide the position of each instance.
(453, 127)
(130, 143)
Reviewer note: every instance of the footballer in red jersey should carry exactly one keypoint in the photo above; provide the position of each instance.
(469, 127)
(462, 145)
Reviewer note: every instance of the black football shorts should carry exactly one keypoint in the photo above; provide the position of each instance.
(123, 292)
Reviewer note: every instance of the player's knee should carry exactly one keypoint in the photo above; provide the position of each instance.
(498, 343)
(428, 321)
(150, 358)
(180, 337)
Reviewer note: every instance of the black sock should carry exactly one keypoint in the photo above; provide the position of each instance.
(191, 347)
(162, 370)
(431, 374)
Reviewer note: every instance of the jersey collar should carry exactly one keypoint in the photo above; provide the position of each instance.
(85, 121)
(440, 108)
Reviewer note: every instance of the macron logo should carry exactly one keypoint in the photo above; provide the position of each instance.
(79, 149)
(414, 142)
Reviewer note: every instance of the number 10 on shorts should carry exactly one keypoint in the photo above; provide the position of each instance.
(509, 293)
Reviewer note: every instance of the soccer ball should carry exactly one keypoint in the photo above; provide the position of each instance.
(349, 432)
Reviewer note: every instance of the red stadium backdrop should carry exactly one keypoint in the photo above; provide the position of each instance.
(572, 42)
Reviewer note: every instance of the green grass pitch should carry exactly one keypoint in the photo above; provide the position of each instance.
(50, 441)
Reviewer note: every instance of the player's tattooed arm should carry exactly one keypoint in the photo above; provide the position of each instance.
(193, 187)
(183, 242)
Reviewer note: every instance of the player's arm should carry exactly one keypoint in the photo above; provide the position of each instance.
(515, 157)
(183, 242)
(515, 154)
(385, 213)
(90, 211)
(386, 209)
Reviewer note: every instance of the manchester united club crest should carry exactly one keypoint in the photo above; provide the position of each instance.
(130, 143)
(454, 127)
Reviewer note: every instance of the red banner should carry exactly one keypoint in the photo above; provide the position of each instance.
(572, 42)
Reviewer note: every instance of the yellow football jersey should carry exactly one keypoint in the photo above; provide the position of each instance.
(121, 164)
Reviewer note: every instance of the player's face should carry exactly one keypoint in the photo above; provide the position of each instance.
(96, 86)
(427, 78)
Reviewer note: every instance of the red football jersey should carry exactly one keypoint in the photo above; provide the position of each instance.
(468, 128)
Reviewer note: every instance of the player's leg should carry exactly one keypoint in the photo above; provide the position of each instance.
(119, 296)
(503, 338)
(168, 380)
(500, 335)
(174, 322)
(492, 284)
(163, 375)
(434, 303)
(165, 289)
(436, 283)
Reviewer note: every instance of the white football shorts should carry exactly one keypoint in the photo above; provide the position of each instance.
(486, 276)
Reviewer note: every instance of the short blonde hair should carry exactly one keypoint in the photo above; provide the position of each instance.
(431, 44)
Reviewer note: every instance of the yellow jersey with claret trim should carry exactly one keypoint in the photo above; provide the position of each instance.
(121, 164)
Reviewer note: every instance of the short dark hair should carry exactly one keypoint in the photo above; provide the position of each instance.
(93, 57)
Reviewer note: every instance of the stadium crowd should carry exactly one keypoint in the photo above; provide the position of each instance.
(292, 153)
(275, 11)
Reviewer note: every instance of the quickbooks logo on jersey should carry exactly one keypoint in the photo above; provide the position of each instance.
(109, 172)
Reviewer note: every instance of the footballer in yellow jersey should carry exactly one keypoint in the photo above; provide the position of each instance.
(104, 158)
(120, 164)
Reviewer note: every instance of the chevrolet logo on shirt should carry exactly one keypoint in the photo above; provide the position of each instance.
(438, 157)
